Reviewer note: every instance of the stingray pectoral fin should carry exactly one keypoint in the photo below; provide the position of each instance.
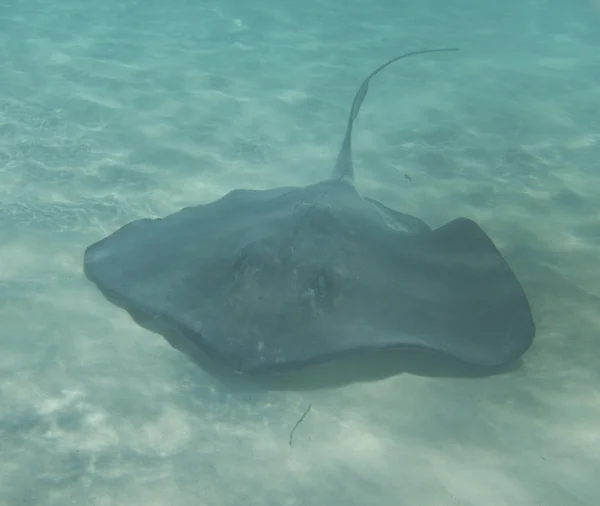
(476, 310)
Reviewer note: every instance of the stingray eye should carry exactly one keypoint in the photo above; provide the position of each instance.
(318, 292)
(322, 284)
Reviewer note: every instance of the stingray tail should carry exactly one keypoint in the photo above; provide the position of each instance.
(344, 169)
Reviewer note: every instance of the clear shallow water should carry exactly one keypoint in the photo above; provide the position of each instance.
(115, 111)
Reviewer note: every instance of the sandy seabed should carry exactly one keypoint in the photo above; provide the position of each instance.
(115, 111)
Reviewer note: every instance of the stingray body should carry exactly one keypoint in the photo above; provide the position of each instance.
(265, 280)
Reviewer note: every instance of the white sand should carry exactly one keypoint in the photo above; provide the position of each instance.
(115, 111)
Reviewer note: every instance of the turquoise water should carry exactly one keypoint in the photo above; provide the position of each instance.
(112, 111)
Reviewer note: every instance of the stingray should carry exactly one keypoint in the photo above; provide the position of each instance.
(281, 278)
